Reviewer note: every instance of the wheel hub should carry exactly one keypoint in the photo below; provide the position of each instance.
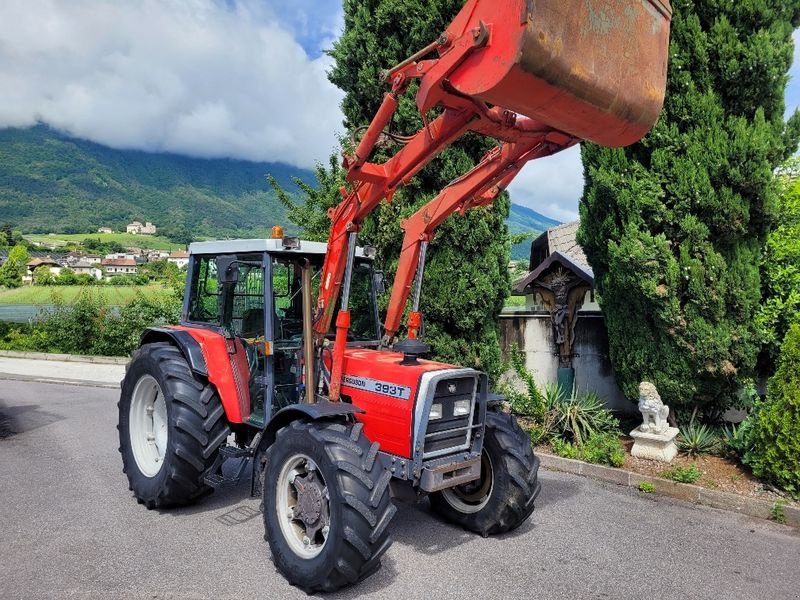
(311, 507)
(303, 506)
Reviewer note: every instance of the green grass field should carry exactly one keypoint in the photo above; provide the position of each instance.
(127, 240)
(111, 294)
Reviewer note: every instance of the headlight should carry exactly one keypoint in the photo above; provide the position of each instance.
(436, 412)
(461, 408)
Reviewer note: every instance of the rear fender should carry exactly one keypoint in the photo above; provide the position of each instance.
(223, 362)
(182, 340)
(307, 412)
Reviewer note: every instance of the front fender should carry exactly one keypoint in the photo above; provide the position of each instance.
(309, 412)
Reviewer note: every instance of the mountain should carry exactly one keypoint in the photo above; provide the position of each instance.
(51, 183)
(525, 220)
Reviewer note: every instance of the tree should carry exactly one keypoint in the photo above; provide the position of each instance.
(775, 434)
(6, 236)
(674, 226)
(780, 273)
(466, 276)
(13, 270)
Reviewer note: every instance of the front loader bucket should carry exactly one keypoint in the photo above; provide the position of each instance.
(593, 68)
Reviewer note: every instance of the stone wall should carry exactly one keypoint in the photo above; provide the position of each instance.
(532, 332)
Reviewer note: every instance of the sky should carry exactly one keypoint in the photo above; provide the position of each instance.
(209, 78)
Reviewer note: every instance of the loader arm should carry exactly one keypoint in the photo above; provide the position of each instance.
(478, 187)
(516, 71)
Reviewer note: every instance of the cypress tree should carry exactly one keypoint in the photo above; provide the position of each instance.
(674, 226)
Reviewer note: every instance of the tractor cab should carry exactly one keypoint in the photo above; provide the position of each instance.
(252, 292)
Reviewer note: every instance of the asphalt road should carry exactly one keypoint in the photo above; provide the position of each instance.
(69, 528)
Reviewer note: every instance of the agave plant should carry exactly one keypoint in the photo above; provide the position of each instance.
(581, 415)
(695, 439)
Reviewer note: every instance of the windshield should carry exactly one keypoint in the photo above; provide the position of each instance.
(289, 303)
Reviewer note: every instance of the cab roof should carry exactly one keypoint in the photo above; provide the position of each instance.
(217, 247)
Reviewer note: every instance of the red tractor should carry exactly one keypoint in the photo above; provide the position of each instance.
(328, 417)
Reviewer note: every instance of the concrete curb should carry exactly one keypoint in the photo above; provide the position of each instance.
(98, 360)
(752, 507)
(59, 381)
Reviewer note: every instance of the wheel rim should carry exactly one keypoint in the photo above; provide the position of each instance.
(148, 426)
(303, 506)
(471, 497)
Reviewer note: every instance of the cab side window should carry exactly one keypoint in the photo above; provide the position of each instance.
(205, 294)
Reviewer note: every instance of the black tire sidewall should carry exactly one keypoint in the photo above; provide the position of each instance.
(294, 442)
(145, 487)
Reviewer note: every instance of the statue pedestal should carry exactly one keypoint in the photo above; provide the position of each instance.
(655, 446)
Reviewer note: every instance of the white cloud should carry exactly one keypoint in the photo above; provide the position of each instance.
(198, 77)
(551, 186)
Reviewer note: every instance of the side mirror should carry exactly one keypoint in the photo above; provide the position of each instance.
(227, 269)
(379, 281)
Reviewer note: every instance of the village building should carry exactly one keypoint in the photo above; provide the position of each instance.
(86, 268)
(105, 230)
(119, 266)
(53, 266)
(180, 258)
(137, 228)
(153, 255)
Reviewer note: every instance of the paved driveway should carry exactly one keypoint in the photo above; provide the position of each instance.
(71, 529)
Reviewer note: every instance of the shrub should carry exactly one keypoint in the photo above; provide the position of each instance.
(599, 448)
(647, 487)
(680, 474)
(90, 327)
(696, 439)
(775, 438)
(530, 402)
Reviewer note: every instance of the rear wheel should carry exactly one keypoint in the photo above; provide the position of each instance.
(503, 498)
(171, 427)
(326, 505)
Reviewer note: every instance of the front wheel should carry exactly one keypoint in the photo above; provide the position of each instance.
(326, 505)
(503, 498)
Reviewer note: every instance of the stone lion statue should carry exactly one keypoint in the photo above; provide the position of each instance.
(654, 412)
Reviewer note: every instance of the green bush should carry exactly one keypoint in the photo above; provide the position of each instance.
(529, 403)
(775, 437)
(647, 487)
(599, 448)
(90, 327)
(680, 474)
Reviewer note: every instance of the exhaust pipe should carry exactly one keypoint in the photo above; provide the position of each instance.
(308, 333)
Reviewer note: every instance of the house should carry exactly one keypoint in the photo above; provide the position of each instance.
(119, 266)
(180, 258)
(53, 266)
(105, 230)
(87, 268)
(137, 228)
(157, 254)
(561, 330)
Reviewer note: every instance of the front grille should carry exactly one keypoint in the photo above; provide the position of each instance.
(451, 433)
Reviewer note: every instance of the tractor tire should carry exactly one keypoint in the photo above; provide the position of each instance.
(326, 505)
(503, 498)
(171, 427)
